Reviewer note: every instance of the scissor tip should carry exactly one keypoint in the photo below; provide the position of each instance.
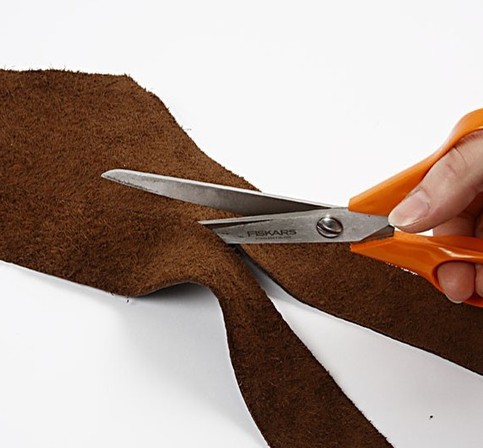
(111, 174)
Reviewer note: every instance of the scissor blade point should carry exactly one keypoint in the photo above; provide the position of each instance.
(112, 174)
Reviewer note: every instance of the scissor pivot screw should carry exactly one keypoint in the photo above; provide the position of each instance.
(329, 227)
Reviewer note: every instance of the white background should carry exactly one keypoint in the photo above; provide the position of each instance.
(311, 99)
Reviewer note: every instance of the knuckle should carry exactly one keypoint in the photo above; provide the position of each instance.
(455, 164)
(455, 168)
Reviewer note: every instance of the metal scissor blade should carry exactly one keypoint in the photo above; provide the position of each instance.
(230, 199)
(302, 227)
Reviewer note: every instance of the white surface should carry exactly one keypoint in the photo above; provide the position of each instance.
(317, 100)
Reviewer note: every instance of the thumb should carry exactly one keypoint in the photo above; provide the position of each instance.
(446, 190)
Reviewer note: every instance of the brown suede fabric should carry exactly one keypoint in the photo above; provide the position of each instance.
(378, 296)
(60, 130)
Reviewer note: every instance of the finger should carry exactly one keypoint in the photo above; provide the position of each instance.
(479, 267)
(457, 279)
(479, 279)
(447, 189)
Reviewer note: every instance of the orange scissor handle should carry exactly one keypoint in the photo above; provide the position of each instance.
(382, 198)
(424, 254)
(417, 253)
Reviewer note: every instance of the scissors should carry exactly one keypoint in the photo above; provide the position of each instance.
(271, 219)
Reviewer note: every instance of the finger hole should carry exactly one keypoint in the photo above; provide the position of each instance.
(457, 280)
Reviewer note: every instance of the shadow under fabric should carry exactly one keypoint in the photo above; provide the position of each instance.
(60, 130)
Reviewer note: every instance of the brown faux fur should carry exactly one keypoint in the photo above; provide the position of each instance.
(60, 130)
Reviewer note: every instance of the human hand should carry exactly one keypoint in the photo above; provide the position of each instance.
(448, 200)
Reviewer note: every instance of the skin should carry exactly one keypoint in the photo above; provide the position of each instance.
(449, 202)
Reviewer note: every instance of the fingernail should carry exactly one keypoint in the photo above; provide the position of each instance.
(457, 302)
(411, 210)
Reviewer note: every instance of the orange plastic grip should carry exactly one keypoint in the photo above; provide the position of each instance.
(423, 254)
(382, 198)
(419, 254)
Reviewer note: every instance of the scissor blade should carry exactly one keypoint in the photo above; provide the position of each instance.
(230, 199)
(302, 227)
